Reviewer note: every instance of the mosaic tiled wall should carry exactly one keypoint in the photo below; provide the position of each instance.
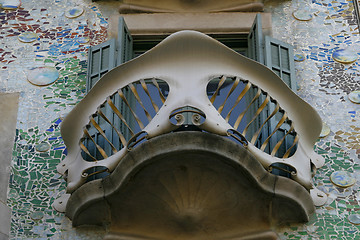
(325, 84)
(61, 43)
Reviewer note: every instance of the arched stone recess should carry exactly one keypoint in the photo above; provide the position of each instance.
(200, 185)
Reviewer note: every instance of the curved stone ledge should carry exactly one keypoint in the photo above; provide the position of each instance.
(190, 185)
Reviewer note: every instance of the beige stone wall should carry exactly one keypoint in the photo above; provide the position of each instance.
(8, 110)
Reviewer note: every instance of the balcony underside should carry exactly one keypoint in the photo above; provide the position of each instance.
(190, 185)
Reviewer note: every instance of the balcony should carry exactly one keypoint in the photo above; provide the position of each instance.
(186, 134)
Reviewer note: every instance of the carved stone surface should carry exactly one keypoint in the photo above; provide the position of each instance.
(8, 109)
(134, 6)
(190, 185)
(168, 23)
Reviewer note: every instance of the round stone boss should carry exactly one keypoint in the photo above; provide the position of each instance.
(342, 179)
(42, 147)
(299, 57)
(10, 4)
(325, 130)
(74, 12)
(354, 96)
(354, 219)
(302, 15)
(344, 56)
(43, 76)
(28, 37)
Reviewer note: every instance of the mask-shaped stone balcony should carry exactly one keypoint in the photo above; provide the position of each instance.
(190, 141)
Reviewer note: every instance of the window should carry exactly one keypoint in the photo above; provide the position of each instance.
(271, 52)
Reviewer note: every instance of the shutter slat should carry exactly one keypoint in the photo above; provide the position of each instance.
(255, 40)
(101, 59)
(279, 58)
(124, 54)
(124, 43)
(255, 52)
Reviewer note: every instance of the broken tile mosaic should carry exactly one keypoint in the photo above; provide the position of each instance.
(325, 84)
(62, 43)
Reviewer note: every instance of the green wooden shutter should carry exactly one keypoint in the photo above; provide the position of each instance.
(101, 59)
(107, 55)
(124, 43)
(256, 52)
(255, 40)
(124, 54)
(279, 57)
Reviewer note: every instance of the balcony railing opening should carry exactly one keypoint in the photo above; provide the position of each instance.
(255, 114)
(248, 109)
(122, 115)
